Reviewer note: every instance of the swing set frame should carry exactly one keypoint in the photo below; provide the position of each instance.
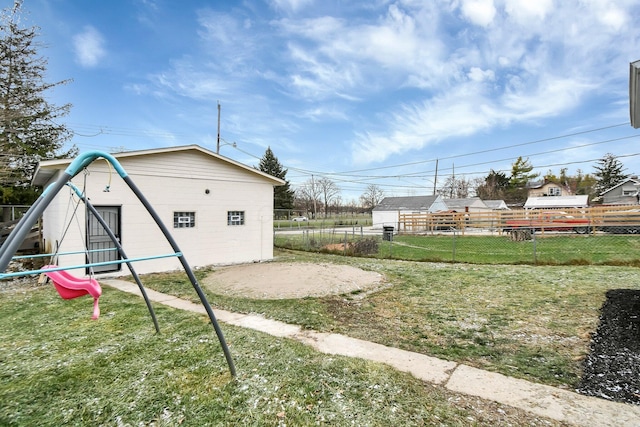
(14, 240)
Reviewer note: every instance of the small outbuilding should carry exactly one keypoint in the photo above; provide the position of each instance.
(219, 211)
(469, 204)
(387, 212)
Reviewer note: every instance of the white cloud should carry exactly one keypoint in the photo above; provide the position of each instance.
(316, 79)
(478, 74)
(321, 113)
(479, 12)
(396, 49)
(89, 47)
(521, 62)
(185, 79)
(526, 10)
(290, 5)
(467, 109)
(614, 18)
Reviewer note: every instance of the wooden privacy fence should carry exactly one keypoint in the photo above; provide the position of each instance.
(611, 219)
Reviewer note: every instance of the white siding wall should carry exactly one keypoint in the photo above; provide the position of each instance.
(177, 182)
(438, 206)
(384, 218)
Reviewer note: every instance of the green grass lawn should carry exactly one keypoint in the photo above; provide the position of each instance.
(322, 222)
(560, 248)
(551, 249)
(58, 367)
(524, 321)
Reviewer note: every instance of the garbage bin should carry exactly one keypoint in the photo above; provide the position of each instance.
(387, 233)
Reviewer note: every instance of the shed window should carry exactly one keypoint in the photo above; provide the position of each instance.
(184, 219)
(235, 218)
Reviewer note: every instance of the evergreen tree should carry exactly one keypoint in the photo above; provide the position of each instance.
(609, 172)
(282, 195)
(521, 173)
(494, 186)
(29, 128)
(516, 193)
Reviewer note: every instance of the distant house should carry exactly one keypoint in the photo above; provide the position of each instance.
(624, 193)
(471, 204)
(496, 205)
(387, 212)
(557, 202)
(219, 211)
(547, 188)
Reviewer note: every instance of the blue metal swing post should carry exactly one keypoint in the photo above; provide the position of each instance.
(16, 237)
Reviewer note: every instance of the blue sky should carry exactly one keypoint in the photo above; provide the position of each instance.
(361, 92)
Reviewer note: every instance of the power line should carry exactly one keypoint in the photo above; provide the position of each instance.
(356, 177)
(429, 172)
(474, 153)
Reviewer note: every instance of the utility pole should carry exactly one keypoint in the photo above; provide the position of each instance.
(218, 146)
(435, 179)
(453, 181)
(313, 191)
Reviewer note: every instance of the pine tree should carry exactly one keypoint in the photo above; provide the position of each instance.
(282, 195)
(609, 172)
(29, 128)
(521, 173)
(494, 186)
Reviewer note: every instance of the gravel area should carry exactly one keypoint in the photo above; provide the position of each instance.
(612, 368)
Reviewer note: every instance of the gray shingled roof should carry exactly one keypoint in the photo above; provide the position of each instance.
(461, 203)
(406, 203)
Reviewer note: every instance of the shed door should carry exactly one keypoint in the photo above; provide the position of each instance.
(101, 247)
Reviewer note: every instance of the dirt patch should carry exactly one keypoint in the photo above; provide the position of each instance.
(335, 247)
(278, 280)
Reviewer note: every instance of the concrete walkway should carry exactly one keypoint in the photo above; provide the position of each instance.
(542, 400)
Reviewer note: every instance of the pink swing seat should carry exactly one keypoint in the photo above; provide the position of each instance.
(70, 287)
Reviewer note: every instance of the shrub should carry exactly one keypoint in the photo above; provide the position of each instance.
(365, 247)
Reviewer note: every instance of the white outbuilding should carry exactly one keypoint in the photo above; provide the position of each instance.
(557, 202)
(387, 212)
(219, 211)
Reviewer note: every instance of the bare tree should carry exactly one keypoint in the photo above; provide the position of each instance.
(456, 188)
(371, 197)
(476, 185)
(329, 191)
(308, 194)
(338, 203)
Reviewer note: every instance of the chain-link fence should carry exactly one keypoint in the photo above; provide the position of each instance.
(12, 212)
(476, 246)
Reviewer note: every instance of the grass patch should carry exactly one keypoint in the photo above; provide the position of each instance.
(529, 322)
(57, 367)
(549, 249)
